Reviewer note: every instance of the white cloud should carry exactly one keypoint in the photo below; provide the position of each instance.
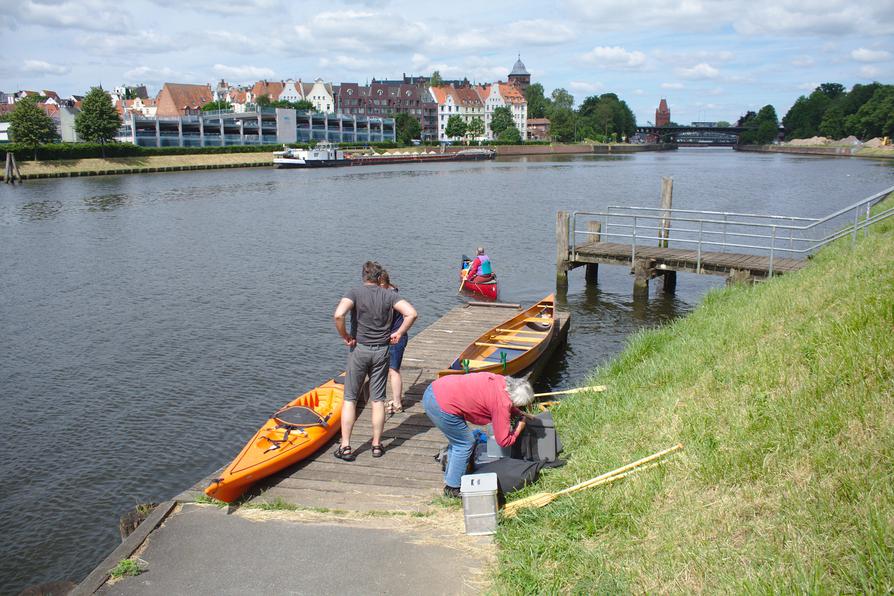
(348, 62)
(715, 91)
(149, 74)
(639, 92)
(87, 15)
(418, 60)
(803, 61)
(234, 41)
(672, 85)
(242, 7)
(614, 57)
(360, 31)
(536, 32)
(41, 67)
(869, 71)
(689, 56)
(585, 87)
(699, 72)
(808, 86)
(131, 43)
(865, 55)
(243, 72)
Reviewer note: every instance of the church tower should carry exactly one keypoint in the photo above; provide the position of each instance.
(662, 114)
(520, 77)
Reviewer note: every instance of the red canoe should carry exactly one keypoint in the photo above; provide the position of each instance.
(486, 289)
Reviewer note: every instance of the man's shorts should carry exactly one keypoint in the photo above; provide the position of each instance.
(363, 361)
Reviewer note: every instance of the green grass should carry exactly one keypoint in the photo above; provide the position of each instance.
(782, 395)
(125, 567)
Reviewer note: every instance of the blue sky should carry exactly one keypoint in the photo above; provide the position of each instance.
(711, 59)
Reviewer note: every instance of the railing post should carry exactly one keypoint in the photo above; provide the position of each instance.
(854, 231)
(633, 245)
(772, 247)
(866, 227)
(723, 248)
(667, 199)
(698, 260)
(562, 232)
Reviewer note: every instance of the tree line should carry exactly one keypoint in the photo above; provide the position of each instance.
(866, 111)
(601, 118)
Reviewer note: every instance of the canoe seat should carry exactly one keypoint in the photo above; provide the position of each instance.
(539, 320)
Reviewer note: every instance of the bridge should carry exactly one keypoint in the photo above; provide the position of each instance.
(742, 246)
(699, 136)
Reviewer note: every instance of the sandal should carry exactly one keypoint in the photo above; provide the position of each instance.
(345, 453)
(378, 450)
(392, 409)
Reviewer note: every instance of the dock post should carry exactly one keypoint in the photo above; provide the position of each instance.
(642, 272)
(669, 283)
(667, 201)
(563, 223)
(594, 228)
(739, 276)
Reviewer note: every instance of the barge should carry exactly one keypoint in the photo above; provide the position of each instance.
(325, 155)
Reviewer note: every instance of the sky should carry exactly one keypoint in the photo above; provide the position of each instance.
(711, 59)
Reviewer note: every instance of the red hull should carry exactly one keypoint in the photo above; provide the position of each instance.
(486, 290)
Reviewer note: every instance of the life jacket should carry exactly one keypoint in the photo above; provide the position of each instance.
(484, 267)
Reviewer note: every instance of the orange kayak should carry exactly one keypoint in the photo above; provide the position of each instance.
(294, 432)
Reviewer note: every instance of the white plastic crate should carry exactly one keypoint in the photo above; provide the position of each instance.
(479, 492)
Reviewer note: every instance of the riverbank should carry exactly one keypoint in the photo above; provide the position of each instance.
(886, 152)
(65, 168)
(781, 393)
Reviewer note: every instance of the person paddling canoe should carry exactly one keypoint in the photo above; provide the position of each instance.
(481, 269)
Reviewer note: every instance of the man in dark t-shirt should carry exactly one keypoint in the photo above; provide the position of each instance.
(371, 307)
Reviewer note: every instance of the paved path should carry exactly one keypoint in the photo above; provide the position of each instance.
(200, 549)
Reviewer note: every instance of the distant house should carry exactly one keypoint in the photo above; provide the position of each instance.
(504, 95)
(321, 95)
(179, 99)
(538, 129)
(272, 89)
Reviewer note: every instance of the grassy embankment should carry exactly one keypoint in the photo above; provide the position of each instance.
(782, 396)
(141, 163)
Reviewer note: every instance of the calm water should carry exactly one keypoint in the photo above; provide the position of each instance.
(149, 323)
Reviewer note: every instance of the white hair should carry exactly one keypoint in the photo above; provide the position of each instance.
(520, 391)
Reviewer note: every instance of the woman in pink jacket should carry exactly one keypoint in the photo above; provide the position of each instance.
(453, 401)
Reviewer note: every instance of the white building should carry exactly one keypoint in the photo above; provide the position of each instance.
(320, 94)
(463, 101)
(505, 95)
(292, 91)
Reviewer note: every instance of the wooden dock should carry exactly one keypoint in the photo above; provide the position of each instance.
(407, 477)
(647, 262)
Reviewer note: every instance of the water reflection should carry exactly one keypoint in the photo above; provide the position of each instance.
(40, 210)
(106, 202)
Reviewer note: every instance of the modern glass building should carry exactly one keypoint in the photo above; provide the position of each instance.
(263, 126)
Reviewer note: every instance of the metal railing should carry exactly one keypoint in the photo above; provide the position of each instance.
(721, 231)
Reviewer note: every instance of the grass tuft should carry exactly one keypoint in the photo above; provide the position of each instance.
(782, 395)
(125, 567)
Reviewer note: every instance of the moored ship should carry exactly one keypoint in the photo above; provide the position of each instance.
(325, 154)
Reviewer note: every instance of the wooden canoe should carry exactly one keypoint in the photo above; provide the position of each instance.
(293, 433)
(513, 346)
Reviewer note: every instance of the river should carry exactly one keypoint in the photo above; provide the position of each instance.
(151, 322)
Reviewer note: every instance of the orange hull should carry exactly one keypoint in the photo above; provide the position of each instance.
(513, 346)
(272, 450)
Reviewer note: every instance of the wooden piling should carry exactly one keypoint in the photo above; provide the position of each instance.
(667, 201)
(594, 228)
(642, 273)
(563, 224)
(669, 282)
(739, 276)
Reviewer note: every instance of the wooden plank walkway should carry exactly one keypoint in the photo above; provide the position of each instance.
(679, 259)
(407, 477)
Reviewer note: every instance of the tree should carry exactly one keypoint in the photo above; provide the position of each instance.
(746, 119)
(723, 124)
(456, 127)
(875, 118)
(500, 120)
(605, 116)
(29, 126)
(562, 126)
(263, 100)
(562, 99)
(213, 106)
(98, 120)
(406, 128)
(763, 128)
(436, 80)
(832, 125)
(475, 128)
(510, 135)
(538, 104)
(301, 105)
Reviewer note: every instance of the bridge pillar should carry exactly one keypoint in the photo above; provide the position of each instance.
(643, 271)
